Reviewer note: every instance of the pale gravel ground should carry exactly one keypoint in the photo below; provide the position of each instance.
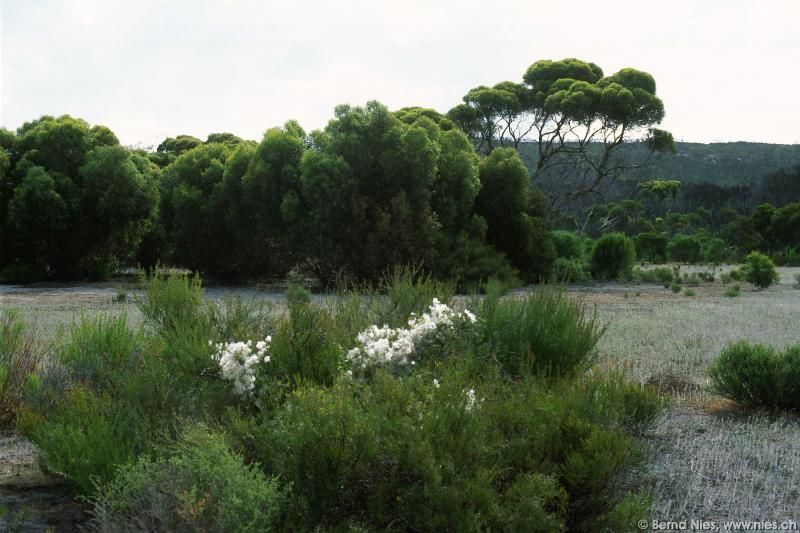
(708, 461)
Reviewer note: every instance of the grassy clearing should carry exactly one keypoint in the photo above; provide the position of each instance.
(711, 459)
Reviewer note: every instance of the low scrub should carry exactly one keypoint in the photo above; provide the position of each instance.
(384, 409)
(197, 485)
(20, 357)
(758, 376)
(547, 333)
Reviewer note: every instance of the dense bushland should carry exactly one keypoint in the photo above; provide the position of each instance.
(233, 416)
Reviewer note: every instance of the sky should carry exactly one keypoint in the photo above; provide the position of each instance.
(726, 70)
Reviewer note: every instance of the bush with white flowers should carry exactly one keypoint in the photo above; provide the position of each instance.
(238, 362)
(379, 345)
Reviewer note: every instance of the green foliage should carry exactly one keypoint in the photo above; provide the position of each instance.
(170, 301)
(651, 246)
(716, 251)
(760, 270)
(74, 203)
(569, 270)
(21, 355)
(689, 292)
(685, 249)
(198, 485)
(676, 287)
(661, 275)
(567, 245)
(304, 347)
(612, 256)
(547, 333)
(733, 290)
(420, 452)
(661, 189)
(513, 211)
(758, 376)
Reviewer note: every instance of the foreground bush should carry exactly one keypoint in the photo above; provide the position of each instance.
(444, 451)
(199, 485)
(20, 357)
(758, 376)
(491, 424)
(547, 333)
(612, 256)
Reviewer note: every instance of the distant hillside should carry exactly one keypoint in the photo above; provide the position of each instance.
(719, 163)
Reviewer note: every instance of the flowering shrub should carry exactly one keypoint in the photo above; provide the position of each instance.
(379, 345)
(238, 360)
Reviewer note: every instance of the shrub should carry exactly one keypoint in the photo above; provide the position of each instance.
(304, 347)
(20, 357)
(102, 402)
(733, 290)
(655, 275)
(567, 244)
(545, 333)
(760, 270)
(612, 256)
(171, 301)
(199, 486)
(569, 270)
(708, 277)
(685, 249)
(676, 287)
(450, 453)
(716, 251)
(758, 376)
(689, 292)
(651, 246)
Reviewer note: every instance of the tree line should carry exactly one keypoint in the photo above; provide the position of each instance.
(371, 190)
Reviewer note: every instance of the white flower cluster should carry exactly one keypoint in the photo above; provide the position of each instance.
(237, 362)
(382, 344)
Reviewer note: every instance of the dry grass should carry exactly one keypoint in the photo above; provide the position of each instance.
(711, 459)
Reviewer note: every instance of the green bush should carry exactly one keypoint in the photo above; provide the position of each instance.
(422, 453)
(567, 244)
(676, 287)
(733, 290)
(200, 485)
(612, 256)
(651, 246)
(545, 333)
(569, 270)
(758, 376)
(654, 275)
(716, 251)
(760, 270)
(171, 301)
(685, 249)
(689, 292)
(304, 346)
(20, 357)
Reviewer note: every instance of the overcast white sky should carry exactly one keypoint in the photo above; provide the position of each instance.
(727, 70)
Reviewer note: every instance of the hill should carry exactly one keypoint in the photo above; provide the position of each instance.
(719, 163)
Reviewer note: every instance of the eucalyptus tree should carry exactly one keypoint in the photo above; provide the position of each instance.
(574, 117)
